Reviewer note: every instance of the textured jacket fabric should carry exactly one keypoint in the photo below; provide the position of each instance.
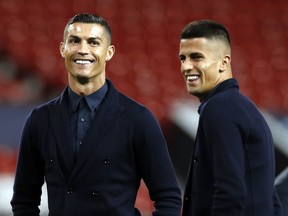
(232, 169)
(123, 144)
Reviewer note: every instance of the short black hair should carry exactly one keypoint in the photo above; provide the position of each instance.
(206, 28)
(90, 18)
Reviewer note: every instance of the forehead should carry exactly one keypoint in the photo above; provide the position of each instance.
(194, 45)
(203, 45)
(85, 30)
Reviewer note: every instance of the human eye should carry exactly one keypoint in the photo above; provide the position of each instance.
(182, 58)
(196, 56)
(73, 40)
(94, 42)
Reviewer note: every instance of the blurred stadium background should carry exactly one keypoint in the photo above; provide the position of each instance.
(145, 67)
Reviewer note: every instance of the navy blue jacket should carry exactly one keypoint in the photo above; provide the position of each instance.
(123, 144)
(233, 167)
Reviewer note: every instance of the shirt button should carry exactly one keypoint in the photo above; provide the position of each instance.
(107, 161)
(70, 190)
(82, 119)
(95, 193)
(80, 142)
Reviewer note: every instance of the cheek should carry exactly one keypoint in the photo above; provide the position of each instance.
(182, 68)
(209, 69)
(208, 74)
(68, 52)
(68, 63)
(205, 66)
(100, 54)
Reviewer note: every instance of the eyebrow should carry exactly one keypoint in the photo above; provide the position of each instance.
(192, 54)
(76, 37)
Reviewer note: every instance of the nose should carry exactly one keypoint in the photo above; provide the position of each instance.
(83, 48)
(186, 66)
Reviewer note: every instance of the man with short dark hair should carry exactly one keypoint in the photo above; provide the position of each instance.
(232, 168)
(92, 144)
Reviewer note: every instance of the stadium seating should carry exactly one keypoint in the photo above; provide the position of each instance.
(146, 35)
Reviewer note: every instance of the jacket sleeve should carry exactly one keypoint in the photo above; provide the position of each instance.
(29, 176)
(156, 167)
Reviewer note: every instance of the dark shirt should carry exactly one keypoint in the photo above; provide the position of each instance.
(82, 111)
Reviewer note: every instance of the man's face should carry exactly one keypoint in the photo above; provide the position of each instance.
(200, 65)
(86, 49)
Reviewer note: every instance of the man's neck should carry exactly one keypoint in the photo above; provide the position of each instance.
(87, 88)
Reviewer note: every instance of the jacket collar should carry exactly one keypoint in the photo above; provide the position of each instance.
(223, 86)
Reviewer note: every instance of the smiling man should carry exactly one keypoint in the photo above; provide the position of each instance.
(86, 48)
(92, 144)
(232, 167)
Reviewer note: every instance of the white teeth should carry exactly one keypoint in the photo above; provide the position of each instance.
(82, 61)
(192, 78)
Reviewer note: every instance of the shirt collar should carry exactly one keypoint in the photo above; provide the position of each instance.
(93, 100)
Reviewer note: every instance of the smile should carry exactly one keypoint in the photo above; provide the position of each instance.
(83, 61)
(192, 78)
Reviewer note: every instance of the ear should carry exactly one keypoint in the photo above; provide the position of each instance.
(225, 63)
(110, 52)
(61, 49)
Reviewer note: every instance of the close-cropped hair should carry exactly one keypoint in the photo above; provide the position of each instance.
(90, 18)
(206, 29)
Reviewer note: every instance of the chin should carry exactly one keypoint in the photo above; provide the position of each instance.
(194, 93)
(190, 90)
(82, 79)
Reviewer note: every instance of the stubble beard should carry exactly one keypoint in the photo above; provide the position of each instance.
(82, 79)
(79, 78)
